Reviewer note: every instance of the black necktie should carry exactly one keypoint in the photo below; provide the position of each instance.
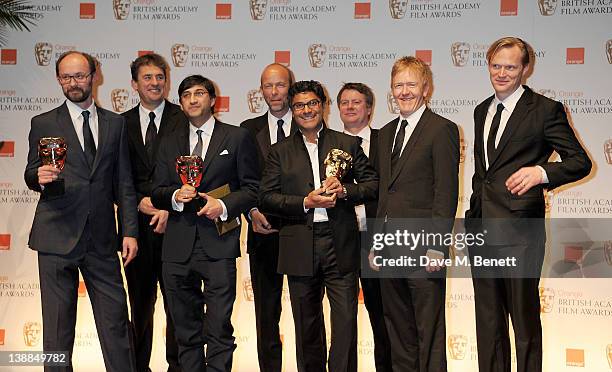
(493, 132)
(150, 135)
(197, 150)
(397, 146)
(280, 133)
(89, 146)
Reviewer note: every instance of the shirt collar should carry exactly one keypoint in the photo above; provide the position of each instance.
(364, 133)
(207, 128)
(413, 119)
(286, 118)
(144, 112)
(510, 101)
(318, 134)
(75, 111)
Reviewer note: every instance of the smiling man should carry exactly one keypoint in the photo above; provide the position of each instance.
(515, 133)
(318, 234)
(147, 122)
(418, 163)
(193, 251)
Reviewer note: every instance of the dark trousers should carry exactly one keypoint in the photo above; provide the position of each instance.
(59, 282)
(267, 291)
(194, 325)
(372, 299)
(307, 307)
(142, 275)
(414, 315)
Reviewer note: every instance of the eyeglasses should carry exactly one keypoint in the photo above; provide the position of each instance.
(79, 78)
(197, 94)
(299, 106)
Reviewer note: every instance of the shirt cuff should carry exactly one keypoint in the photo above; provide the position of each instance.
(177, 206)
(251, 211)
(223, 215)
(304, 206)
(544, 175)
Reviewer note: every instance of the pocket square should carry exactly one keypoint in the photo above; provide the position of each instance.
(224, 152)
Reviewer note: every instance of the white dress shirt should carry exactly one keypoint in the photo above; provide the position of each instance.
(413, 120)
(273, 125)
(320, 214)
(360, 211)
(76, 114)
(144, 118)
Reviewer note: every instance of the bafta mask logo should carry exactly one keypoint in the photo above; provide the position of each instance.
(609, 50)
(460, 53)
(258, 9)
(548, 93)
(392, 104)
(31, 333)
(43, 53)
(547, 7)
(462, 150)
(608, 151)
(609, 355)
(398, 8)
(255, 99)
(549, 199)
(119, 99)
(316, 55)
(247, 289)
(607, 248)
(121, 8)
(180, 52)
(457, 346)
(547, 299)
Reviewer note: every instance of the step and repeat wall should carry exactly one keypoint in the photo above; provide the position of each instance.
(333, 41)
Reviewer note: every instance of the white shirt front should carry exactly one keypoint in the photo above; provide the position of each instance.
(413, 120)
(76, 114)
(273, 125)
(509, 105)
(360, 211)
(320, 214)
(144, 118)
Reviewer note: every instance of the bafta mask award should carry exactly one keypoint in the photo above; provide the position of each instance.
(337, 163)
(190, 169)
(52, 151)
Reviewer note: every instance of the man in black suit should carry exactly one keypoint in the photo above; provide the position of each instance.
(318, 234)
(515, 132)
(418, 164)
(74, 225)
(262, 240)
(146, 123)
(355, 102)
(194, 252)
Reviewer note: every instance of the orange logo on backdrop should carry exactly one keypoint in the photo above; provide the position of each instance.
(8, 56)
(2, 334)
(224, 11)
(5, 242)
(363, 10)
(508, 8)
(574, 357)
(575, 56)
(283, 57)
(457, 346)
(87, 11)
(43, 52)
(82, 292)
(424, 55)
(31, 333)
(119, 99)
(144, 52)
(222, 104)
(7, 149)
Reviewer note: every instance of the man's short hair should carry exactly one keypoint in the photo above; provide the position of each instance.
(91, 61)
(193, 80)
(361, 88)
(152, 59)
(307, 86)
(416, 65)
(509, 42)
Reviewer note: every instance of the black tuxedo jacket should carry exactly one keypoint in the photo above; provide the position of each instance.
(231, 159)
(537, 126)
(372, 205)
(425, 182)
(90, 193)
(259, 129)
(142, 168)
(287, 179)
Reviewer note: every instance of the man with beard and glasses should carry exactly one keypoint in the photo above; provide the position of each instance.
(318, 234)
(74, 225)
(262, 241)
(153, 118)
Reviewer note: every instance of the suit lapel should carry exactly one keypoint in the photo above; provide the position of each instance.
(182, 139)
(263, 140)
(299, 145)
(386, 146)
(414, 137)
(480, 117)
(514, 121)
(326, 143)
(216, 140)
(169, 120)
(103, 129)
(70, 136)
(133, 129)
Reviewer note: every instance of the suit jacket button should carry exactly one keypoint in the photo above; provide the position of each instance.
(391, 191)
(487, 182)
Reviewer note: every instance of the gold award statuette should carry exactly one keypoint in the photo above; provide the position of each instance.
(337, 163)
(190, 169)
(52, 151)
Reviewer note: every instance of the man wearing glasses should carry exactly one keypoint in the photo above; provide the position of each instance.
(74, 224)
(193, 251)
(318, 233)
